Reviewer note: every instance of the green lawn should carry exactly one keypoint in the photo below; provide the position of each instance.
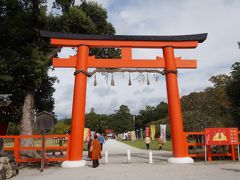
(38, 143)
(153, 145)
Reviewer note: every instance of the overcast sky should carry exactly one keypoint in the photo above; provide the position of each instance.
(218, 18)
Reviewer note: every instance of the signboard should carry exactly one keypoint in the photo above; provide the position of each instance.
(221, 136)
(44, 121)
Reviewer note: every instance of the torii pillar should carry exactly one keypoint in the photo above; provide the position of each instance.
(174, 110)
(78, 110)
(81, 62)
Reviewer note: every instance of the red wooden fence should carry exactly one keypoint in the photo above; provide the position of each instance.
(231, 148)
(16, 148)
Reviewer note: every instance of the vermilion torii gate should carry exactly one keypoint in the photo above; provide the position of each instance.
(82, 61)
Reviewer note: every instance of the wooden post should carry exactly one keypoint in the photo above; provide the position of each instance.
(16, 148)
(233, 152)
(68, 147)
(78, 109)
(43, 151)
(209, 153)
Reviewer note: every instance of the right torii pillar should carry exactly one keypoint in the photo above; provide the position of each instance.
(174, 109)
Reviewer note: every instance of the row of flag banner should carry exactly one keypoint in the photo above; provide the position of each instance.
(149, 131)
(133, 135)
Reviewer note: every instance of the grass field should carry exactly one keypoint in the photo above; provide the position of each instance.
(38, 143)
(153, 145)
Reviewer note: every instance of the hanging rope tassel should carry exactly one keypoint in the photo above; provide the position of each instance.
(129, 81)
(95, 80)
(148, 82)
(112, 81)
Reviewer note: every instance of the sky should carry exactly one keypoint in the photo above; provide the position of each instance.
(218, 18)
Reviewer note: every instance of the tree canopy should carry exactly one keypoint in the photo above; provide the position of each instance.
(25, 56)
(24, 64)
(233, 91)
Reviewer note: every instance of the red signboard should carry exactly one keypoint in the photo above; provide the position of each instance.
(221, 136)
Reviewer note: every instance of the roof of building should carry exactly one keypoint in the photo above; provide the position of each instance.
(6, 104)
(45, 112)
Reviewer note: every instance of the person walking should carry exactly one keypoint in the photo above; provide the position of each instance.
(101, 140)
(147, 141)
(96, 151)
(160, 143)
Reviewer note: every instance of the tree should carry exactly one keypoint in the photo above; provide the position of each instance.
(63, 4)
(147, 115)
(98, 16)
(161, 110)
(24, 64)
(233, 91)
(151, 114)
(122, 120)
(25, 61)
(62, 126)
(25, 57)
(91, 120)
(87, 18)
(210, 107)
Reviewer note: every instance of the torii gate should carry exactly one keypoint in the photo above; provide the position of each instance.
(82, 61)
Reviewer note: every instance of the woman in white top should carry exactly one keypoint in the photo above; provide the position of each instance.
(147, 141)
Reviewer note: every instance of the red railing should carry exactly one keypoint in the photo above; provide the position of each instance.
(201, 151)
(16, 147)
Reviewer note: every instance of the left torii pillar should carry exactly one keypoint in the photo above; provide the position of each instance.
(78, 110)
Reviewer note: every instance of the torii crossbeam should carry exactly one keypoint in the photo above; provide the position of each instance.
(82, 61)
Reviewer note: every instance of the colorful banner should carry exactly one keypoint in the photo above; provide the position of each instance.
(141, 134)
(147, 132)
(85, 135)
(221, 136)
(88, 134)
(153, 131)
(163, 132)
(137, 134)
(133, 135)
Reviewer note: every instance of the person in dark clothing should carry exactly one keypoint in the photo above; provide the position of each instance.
(96, 152)
(89, 148)
(160, 143)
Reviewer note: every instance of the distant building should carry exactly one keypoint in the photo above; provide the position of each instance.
(6, 109)
(6, 104)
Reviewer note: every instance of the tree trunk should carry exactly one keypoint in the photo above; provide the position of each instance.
(26, 126)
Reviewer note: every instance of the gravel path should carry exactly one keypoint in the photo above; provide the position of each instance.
(138, 169)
